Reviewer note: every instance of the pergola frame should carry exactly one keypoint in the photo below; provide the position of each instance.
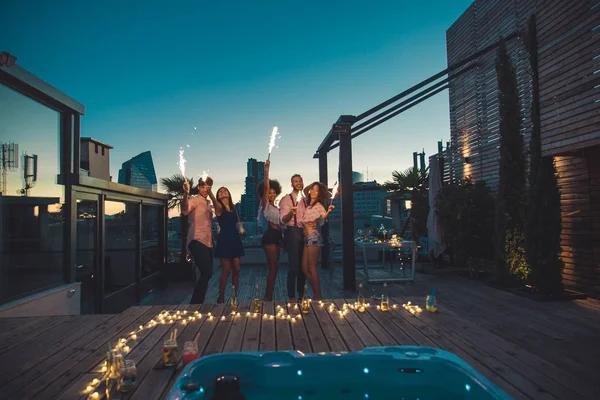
(344, 130)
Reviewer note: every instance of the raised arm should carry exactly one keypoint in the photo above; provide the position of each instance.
(267, 186)
(216, 204)
(185, 201)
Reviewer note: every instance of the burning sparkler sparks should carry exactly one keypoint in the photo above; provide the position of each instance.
(335, 190)
(274, 135)
(204, 176)
(182, 161)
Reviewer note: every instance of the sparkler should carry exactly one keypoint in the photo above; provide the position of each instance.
(335, 190)
(204, 176)
(182, 161)
(274, 135)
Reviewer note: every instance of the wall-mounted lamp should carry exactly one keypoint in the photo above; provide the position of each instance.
(467, 161)
(408, 204)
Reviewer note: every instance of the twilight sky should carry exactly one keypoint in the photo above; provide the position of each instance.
(149, 72)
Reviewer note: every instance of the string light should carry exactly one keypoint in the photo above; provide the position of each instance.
(167, 317)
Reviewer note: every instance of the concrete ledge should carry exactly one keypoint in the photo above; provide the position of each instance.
(62, 300)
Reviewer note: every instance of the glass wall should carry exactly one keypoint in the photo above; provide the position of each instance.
(86, 255)
(151, 226)
(32, 223)
(120, 223)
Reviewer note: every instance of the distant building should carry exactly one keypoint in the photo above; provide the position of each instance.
(356, 177)
(370, 198)
(139, 172)
(95, 158)
(255, 173)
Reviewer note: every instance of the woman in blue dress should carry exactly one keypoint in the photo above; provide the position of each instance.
(229, 246)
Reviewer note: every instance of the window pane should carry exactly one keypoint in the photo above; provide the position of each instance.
(151, 227)
(85, 271)
(31, 218)
(120, 245)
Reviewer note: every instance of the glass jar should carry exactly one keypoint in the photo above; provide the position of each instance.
(190, 352)
(128, 378)
(170, 352)
(431, 303)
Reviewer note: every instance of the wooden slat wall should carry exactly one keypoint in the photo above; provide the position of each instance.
(569, 50)
(569, 41)
(579, 180)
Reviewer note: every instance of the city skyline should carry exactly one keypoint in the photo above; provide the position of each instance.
(161, 78)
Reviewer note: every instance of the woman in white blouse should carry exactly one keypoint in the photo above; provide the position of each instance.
(268, 218)
(317, 197)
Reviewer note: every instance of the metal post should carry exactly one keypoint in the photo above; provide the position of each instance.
(347, 210)
(325, 228)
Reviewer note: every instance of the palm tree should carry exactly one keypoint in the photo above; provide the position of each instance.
(416, 182)
(174, 188)
(410, 180)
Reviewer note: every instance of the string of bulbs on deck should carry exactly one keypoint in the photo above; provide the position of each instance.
(184, 317)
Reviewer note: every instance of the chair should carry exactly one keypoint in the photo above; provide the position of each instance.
(333, 256)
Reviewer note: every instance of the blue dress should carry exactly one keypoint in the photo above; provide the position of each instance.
(229, 242)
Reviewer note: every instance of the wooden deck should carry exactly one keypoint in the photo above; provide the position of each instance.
(530, 349)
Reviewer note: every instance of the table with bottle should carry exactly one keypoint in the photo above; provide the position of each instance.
(385, 245)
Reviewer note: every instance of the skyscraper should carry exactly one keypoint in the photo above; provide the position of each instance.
(255, 173)
(139, 172)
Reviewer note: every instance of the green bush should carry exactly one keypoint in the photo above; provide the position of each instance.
(466, 212)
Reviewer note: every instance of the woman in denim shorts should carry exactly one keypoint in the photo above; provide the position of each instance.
(317, 197)
(268, 218)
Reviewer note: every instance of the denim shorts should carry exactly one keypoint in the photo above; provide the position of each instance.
(313, 239)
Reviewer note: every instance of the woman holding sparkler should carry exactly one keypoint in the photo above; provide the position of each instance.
(229, 247)
(268, 217)
(317, 197)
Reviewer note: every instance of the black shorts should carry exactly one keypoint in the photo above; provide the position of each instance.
(272, 236)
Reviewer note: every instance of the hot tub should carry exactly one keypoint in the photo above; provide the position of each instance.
(398, 372)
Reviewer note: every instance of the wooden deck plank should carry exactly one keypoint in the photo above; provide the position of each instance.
(316, 335)
(332, 335)
(14, 326)
(78, 389)
(252, 334)
(364, 334)
(399, 335)
(517, 343)
(373, 326)
(52, 368)
(235, 337)
(33, 331)
(89, 354)
(480, 362)
(298, 329)
(32, 352)
(219, 336)
(352, 340)
(268, 340)
(560, 383)
(156, 380)
(283, 334)
(148, 351)
(537, 336)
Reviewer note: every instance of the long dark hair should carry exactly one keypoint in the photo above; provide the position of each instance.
(231, 205)
(323, 196)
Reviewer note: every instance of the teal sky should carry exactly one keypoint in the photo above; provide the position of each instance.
(150, 72)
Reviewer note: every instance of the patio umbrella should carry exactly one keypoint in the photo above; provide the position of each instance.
(434, 229)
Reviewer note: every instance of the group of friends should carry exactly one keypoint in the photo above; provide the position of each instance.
(293, 224)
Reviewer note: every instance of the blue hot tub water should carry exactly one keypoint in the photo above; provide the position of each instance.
(398, 372)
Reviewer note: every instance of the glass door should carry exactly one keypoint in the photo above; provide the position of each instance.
(87, 254)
